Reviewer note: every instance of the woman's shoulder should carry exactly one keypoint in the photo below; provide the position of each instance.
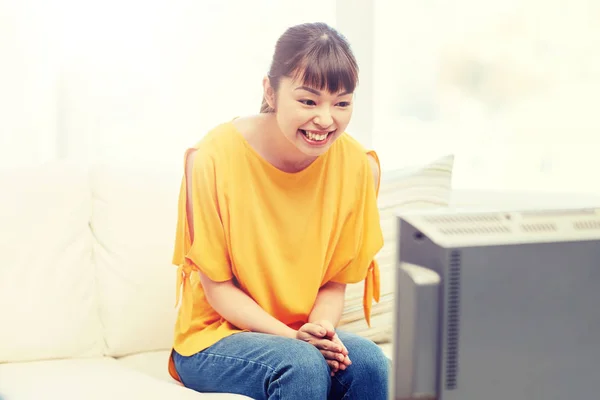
(355, 161)
(352, 153)
(219, 142)
(351, 147)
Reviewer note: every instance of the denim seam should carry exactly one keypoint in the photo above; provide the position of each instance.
(240, 359)
(278, 390)
(344, 385)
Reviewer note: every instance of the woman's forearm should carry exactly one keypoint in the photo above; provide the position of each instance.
(241, 310)
(329, 304)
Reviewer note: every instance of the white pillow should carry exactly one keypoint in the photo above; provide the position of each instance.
(420, 187)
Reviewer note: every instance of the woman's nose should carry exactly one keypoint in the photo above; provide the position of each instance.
(323, 119)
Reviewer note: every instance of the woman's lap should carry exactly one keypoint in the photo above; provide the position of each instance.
(367, 376)
(266, 366)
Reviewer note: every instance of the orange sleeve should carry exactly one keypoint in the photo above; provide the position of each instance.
(362, 233)
(200, 238)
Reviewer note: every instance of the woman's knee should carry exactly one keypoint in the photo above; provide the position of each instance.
(303, 365)
(368, 360)
(305, 357)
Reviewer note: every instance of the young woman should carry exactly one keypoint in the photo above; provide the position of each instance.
(277, 213)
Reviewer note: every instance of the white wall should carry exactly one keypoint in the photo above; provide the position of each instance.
(132, 80)
(508, 86)
(29, 65)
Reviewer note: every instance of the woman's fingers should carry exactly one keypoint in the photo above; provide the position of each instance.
(334, 366)
(346, 362)
(314, 330)
(321, 344)
(336, 339)
(328, 327)
(333, 355)
(332, 348)
(326, 344)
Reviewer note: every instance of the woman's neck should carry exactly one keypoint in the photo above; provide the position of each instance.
(268, 140)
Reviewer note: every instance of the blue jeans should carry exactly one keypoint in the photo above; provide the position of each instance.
(272, 367)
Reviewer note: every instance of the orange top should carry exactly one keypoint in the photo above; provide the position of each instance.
(279, 235)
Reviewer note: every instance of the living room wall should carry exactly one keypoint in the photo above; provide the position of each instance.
(509, 87)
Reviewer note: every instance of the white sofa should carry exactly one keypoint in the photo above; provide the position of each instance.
(87, 289)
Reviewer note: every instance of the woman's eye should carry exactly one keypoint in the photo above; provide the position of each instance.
(344, 104)
(307, 102)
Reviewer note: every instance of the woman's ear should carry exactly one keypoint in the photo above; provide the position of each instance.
(269, 92)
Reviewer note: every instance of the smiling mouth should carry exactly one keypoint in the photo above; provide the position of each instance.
(315, 137)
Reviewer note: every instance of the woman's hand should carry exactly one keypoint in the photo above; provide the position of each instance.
(335, 362)
(322, 335)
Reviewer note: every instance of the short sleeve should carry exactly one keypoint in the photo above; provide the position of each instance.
(362, 232)
(207, 251)
(362, 236)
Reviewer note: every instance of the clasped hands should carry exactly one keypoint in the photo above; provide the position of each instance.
(321, 334)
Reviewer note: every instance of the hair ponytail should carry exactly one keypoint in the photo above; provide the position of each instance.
(265, 107)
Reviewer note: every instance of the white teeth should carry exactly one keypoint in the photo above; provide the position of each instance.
(315, 136)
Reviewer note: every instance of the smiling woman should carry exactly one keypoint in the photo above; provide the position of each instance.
(258, 192)
(311, 84)
(311, 98)
(309, 119)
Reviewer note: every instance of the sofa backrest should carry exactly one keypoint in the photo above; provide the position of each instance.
(85, 256)
(85, 260)
(48, 286)
(133, 221)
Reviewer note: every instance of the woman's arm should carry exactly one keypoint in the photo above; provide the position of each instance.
(239, 309)
(224, 297)
(329, 303)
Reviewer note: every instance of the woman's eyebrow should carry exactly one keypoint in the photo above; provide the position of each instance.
(316, 92)
(308, 89)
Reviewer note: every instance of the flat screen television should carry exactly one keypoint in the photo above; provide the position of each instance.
(497, 305)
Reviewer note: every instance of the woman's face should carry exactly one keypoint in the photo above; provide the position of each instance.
(311, 119)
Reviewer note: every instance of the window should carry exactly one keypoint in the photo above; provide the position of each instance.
(510, 87)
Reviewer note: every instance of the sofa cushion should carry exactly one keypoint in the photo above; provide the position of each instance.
(134, 214)
(90, 379)
(419, 187)
(48, 303)
(152, 363)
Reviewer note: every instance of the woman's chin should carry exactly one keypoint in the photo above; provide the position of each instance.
(315, 147)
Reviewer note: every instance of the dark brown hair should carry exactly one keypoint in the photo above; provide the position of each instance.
(317, 55)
